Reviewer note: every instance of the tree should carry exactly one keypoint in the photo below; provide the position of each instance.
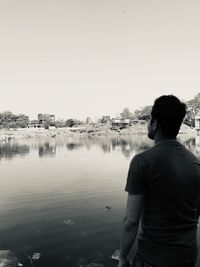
(10, 120)
(70, 123)
(193, 107)
(143, 113)
(46, 125)
(126, 114)
(22, 121)
(78, 122)
(46, 119)
(60, 123)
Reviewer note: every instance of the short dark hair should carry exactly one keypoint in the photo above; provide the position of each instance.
(169, 112)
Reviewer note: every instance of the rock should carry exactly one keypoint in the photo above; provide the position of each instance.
(8, 259)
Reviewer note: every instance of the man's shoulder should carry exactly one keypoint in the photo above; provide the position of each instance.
(159, 150)
(148, 152)
(143, 158)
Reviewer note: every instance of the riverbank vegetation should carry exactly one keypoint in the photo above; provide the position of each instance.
(104, 126)
(87, 130)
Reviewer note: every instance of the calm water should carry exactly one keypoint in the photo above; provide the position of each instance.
(54, 194)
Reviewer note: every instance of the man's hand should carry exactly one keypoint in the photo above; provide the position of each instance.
(124, 262)
(131, 223)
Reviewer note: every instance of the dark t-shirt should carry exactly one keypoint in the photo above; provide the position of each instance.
(169, 177)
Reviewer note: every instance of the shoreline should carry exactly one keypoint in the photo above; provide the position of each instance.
(7, 135)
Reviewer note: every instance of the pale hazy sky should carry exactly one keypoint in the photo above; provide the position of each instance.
(78, 58)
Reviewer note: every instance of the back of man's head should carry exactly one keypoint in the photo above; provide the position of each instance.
(169, 112)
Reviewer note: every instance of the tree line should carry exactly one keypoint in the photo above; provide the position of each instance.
(193, 108)
(10, 120)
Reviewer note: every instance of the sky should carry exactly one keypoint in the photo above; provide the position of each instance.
(78, 58)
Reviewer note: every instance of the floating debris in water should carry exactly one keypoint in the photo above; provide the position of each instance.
(198, 224)
(68, 222)
(95, 265)
(108, 207)
(36, 256)
(115, 255)
(20, 264)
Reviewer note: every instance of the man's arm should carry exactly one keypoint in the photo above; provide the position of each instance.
(130, 225)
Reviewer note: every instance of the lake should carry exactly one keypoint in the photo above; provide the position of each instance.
(65, 198)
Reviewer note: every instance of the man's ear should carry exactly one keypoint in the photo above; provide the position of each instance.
(154, 124)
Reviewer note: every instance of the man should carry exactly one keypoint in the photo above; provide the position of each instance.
(163, 186)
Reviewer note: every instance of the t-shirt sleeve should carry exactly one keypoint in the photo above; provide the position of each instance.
(137, 173)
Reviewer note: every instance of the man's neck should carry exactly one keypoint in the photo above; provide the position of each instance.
(160, 137)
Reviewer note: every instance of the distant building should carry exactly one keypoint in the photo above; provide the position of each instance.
(120, 122)
(35, 124)
(42, 120)
(105, 119)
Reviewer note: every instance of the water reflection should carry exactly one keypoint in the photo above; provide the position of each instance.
(106, 148)
(129, 145)
(197, 145)
(10, 150)
(46, 150)
(126, 145)
(192, 143)
(72, 146)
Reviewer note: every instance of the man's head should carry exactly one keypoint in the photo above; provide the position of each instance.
(166, 117)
